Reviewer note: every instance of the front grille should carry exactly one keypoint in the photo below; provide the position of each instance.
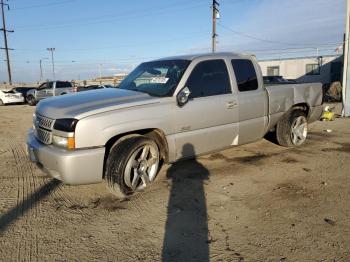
(43, 127)
(44, 122)
(43, 135)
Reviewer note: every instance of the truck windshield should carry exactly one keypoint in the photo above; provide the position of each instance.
(158, 78)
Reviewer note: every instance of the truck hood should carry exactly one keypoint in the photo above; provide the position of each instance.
(92, 102)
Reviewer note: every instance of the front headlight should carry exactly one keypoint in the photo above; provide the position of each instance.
(63, 133)
(65, 124)
(64, 142)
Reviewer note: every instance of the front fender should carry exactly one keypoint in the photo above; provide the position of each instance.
(96, 130)
(31, 92)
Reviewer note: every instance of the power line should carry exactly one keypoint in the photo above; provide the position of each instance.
(114, 17)
(44, 5)
(295, 51)
(263, 39)
(190, 35)
(6, 48)
(296, 48)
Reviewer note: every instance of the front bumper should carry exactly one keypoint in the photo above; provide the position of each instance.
(78, 167)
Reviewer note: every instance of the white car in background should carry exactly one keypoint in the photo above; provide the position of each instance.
(10, 97)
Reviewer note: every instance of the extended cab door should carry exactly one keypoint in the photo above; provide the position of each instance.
(208, 121)
(63, 87)
(252, 101)
(43, 90)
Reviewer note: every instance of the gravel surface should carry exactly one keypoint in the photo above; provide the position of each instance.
(258, 202)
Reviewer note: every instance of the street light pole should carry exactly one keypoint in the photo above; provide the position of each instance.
(52, 49)
(41, 69)
(41, 72)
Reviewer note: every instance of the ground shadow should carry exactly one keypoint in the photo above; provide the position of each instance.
(186, 229)
(21, 208)
(271, 137)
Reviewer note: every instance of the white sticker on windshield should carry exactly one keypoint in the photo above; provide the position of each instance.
(159, 80)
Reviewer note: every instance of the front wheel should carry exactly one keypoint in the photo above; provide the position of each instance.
(31, 100)
(292, 129)
(1, 103)
(132, 165)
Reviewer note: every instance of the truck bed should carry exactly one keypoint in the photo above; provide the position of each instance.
(283, 97)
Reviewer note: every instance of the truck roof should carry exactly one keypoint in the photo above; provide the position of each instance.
(206, 56)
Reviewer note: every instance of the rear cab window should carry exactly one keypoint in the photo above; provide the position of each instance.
(209, 78)
(245, 75)
(60, 84)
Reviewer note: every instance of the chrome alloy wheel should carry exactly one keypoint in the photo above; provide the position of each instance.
(141, 168)
(299, 130)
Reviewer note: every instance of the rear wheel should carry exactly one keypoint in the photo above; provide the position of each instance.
(31, 100)
(132, 165)
(292, 129)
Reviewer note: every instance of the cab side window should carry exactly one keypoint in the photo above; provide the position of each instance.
(245, 75)
(209, 78)
(42, 86)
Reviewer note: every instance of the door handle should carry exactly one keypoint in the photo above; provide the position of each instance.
(231, 104)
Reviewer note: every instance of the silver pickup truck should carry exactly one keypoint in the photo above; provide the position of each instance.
(163, 111)
(49, 89)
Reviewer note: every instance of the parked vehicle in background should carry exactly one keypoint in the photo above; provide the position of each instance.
(163, 111)
(93, 87)
(10, 97)
(277, 80)
(49, 89)
(23, 91)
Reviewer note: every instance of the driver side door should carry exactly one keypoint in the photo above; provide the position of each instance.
(209, 120)
(41, 91)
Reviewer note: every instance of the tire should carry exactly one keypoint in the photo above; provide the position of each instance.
(126, 156)
(63, 94)
(1, 103)
(31, 100)
(291, 130)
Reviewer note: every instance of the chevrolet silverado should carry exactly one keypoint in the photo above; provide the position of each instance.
(123, 135)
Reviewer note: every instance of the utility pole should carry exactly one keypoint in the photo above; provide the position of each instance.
(41, 72)
(52, 49)
(346, 72)
(41, 69)
(215, 13)
(5, 39)
(100, 70)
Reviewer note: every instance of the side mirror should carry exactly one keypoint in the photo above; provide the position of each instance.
(183, 96)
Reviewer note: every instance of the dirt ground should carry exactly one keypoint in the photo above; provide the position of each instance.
(258, 202)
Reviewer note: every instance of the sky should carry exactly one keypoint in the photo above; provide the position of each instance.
(116, 36)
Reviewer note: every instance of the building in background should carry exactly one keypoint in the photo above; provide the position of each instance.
(324, 69)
